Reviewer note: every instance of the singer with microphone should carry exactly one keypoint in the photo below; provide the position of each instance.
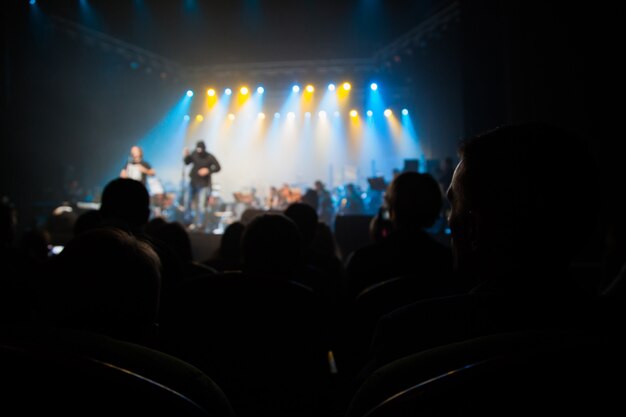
(136, 168)
(204, 164)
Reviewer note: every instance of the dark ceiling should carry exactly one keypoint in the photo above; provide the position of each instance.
(203, 32)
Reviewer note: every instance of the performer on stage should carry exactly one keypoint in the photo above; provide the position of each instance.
(204, 164)
(136, 168)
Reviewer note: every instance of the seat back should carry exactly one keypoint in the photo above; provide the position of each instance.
(524, 373)
(37, 380)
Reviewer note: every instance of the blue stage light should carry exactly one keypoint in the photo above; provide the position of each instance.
(260, 90)
(405, 112)
(374, 86)
(189, 93)
(295, 88)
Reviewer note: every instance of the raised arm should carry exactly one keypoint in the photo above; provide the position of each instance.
(186, 156)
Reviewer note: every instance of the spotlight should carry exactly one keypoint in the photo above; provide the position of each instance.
(210, 92)
(369, 113)
(186, 118)
(346, 86)
(322, 114)
(260, 90)
(261, 116)
(387, 113)
(32, 2)
(199, 118)
(310, 88)
(231, 116)
(374, 86)
(228, 91)
(243, 91)
(405, 112)
(291, 115)
(331, 87)
(276, 115)
(353, 113)
(295, 88)
(189, 93)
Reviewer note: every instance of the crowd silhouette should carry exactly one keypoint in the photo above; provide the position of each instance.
(280, 322)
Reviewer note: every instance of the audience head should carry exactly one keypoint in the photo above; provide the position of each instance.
(271, 245)
(230, 246)
(105, 281)
(414, 201)
(175, 236)
(305, 217)
(125, 204)
(89, 220)
(521, 196)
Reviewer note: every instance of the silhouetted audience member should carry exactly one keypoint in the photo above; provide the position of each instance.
(323, 270)
(257, 332)
(507, 241)
(102, 296)
(228, 256)
(406, 266)
(414, 201)
(89, 220)
(126, 205)
(271, 245)
(105, 281)
(174, 235)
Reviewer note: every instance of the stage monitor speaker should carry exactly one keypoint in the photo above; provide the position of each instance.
(411, 165)
(433, 167)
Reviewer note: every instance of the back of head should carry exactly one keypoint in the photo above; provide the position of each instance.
(175, 236)
(125, 204)
(230, 245)
(305, 217)
(414, 200)
(536, 189)
(271, 245)
(89, 220)
(105, 281)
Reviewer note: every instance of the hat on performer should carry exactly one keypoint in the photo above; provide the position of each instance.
(200, 144)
